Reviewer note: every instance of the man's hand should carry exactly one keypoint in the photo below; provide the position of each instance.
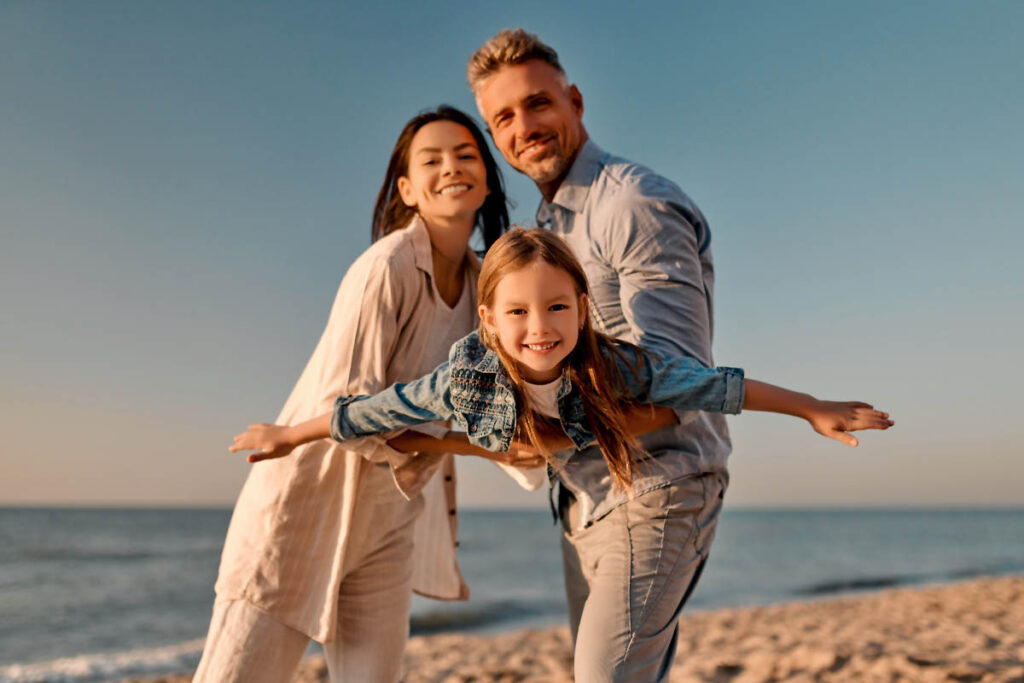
(270, 441)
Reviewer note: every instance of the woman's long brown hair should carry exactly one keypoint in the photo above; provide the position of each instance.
(390, 213)
(591, 364)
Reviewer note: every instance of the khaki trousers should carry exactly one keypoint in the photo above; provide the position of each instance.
(628, 575)
(245, 645)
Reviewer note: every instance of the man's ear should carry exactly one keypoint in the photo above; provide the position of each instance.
(576, 100)
(405, 192)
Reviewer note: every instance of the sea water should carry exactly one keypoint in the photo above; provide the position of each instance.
(102, 594)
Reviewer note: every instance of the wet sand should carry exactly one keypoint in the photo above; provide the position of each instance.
(968, 632)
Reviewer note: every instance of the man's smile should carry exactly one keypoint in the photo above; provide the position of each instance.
(536, 147)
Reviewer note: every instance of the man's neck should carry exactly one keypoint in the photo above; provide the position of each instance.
(549, 189)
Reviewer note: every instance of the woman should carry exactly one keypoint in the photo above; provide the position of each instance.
(321, 545)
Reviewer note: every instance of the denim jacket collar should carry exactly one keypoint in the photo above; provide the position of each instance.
(470, 352)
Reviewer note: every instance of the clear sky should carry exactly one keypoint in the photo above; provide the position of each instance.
(183, 185)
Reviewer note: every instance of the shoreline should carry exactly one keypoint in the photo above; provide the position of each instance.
(970, 632)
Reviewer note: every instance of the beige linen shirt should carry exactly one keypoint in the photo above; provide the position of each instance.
(286, 544)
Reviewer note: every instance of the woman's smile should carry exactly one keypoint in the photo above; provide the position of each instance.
(455, 190)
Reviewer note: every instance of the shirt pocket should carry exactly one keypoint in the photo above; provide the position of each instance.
(478, 425)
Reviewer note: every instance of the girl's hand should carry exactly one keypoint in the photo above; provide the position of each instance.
(271, 441)
(835, 418)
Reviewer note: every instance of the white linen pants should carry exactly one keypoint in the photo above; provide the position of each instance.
(250, 646)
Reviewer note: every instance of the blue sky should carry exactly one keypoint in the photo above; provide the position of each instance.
(182, 186)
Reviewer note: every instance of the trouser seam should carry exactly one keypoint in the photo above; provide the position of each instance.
(629, 584)
(691, 539)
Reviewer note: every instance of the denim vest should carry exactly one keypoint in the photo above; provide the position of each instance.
(474, 390)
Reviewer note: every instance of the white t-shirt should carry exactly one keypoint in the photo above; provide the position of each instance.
(544, 397)
(449, 326)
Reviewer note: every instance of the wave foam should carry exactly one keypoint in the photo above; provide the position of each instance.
(96, 668)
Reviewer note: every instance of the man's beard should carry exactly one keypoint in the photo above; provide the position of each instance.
(546, 170)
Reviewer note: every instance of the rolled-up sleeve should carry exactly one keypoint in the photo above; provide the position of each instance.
(683, 383)
(426, 399)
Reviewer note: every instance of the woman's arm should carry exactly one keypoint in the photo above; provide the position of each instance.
(641, 418)
(519, 455)
(829, 418)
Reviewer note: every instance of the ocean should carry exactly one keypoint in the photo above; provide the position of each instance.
(102, 594)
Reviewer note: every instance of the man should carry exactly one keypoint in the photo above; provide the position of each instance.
(630, 560)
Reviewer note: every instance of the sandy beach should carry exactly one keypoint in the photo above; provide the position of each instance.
(967, 632)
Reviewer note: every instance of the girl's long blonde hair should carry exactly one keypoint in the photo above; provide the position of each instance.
(591, 364)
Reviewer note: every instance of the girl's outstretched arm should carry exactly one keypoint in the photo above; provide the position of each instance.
(399, 406)
(833, 419)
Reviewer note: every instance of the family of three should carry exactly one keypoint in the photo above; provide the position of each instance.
(578, 352)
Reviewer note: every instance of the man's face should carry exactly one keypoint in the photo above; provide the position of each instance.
(534, 118)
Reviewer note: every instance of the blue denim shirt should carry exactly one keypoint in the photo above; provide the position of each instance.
(473, 389)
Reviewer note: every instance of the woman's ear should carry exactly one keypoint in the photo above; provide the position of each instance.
(583, 309)
(405, 192)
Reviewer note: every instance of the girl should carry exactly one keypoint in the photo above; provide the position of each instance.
(321, 546)
(537, 359)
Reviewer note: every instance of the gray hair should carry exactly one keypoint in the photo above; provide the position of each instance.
(509, 48)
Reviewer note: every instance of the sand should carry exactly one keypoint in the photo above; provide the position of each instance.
(968, 632)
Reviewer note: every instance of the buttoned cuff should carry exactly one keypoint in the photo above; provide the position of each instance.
(734, 391)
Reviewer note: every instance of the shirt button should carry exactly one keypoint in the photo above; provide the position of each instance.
(456, 544)
(447, 477)
(452, 511)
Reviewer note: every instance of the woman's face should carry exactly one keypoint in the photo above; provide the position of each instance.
(446, 178)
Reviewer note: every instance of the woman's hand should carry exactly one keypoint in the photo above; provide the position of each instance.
(835, 419)
(270, 441)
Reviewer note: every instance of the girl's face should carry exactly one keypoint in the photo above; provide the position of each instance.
(537, 316)
(446, 178)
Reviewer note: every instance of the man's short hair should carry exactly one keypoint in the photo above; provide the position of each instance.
(509, 48)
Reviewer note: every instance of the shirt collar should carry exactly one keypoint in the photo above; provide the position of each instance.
(572, 193)
(423, 257)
